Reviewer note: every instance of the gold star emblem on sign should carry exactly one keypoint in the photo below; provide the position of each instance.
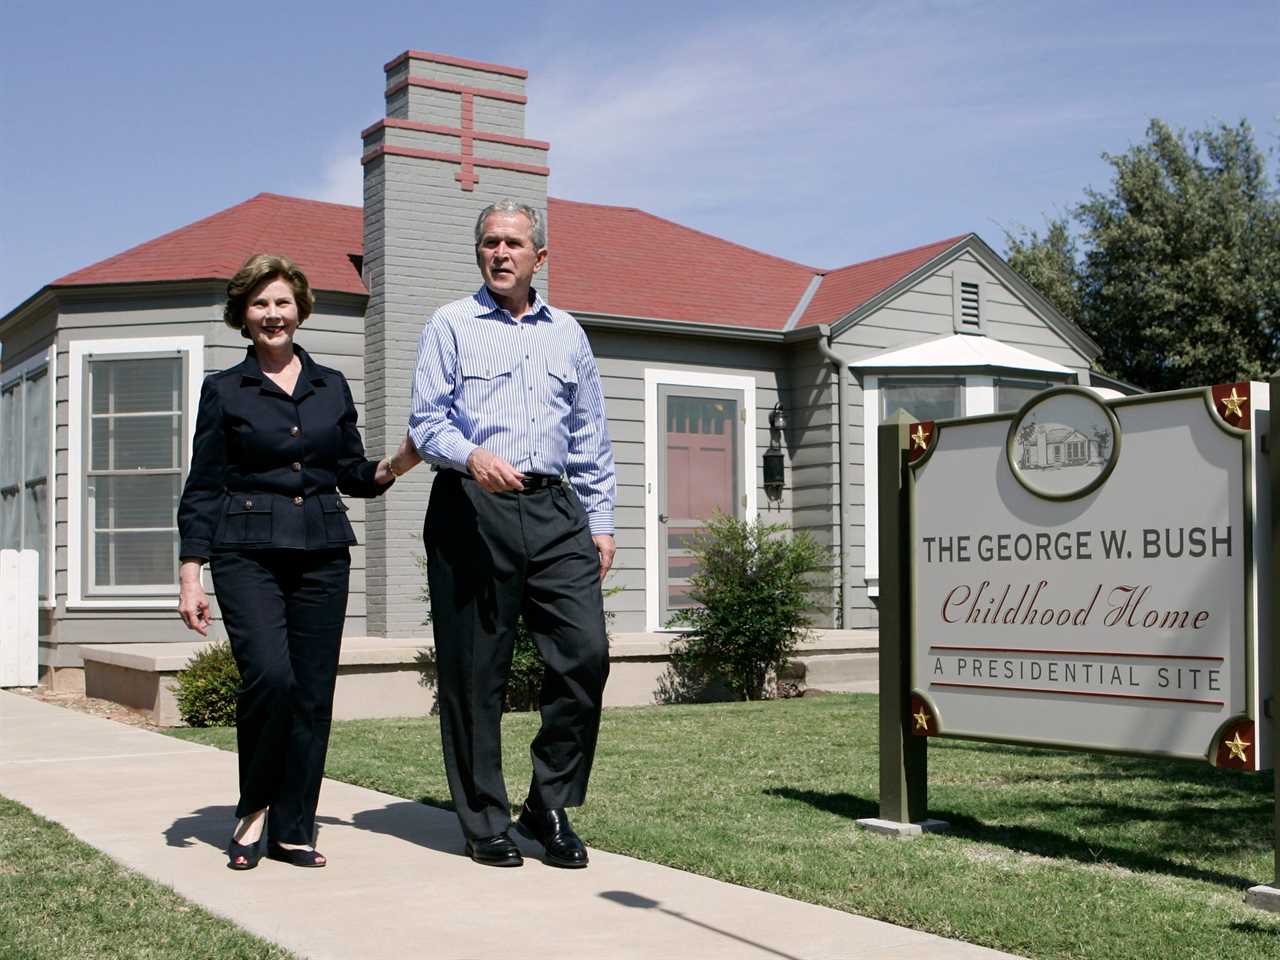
(1234, 404)
(920, 438)
(922, 720)
(1238, 748)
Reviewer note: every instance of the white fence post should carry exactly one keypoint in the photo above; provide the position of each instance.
(19, 593)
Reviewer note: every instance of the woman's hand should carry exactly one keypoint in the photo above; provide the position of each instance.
(193, 603)
(399, 463)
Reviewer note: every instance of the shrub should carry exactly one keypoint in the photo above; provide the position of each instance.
(753, 588)
(207, 687)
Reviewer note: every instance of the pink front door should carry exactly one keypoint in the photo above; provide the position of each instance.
(699, 470)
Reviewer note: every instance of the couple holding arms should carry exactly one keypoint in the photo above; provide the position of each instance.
(507, 402)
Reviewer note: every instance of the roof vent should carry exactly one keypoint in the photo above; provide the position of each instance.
(970, 314)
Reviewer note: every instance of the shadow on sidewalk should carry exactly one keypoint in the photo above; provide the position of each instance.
(411, 822)
(208, 825)
(626, 898)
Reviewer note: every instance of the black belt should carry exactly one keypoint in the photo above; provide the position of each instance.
(538, 481)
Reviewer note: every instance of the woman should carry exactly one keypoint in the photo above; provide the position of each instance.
(275, 441)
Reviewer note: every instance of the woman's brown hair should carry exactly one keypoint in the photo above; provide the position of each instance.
(259, 269)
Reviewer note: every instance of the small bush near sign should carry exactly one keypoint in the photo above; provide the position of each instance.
(206, 691)
(753, 588)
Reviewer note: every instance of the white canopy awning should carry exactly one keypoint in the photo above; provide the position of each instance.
(960, 351)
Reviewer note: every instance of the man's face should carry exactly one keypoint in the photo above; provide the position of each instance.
(506, 254)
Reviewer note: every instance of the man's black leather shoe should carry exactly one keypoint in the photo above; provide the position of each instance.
(499, 851)
(563, 847)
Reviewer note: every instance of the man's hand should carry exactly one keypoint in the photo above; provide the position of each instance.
(493, 473)
(606, 548)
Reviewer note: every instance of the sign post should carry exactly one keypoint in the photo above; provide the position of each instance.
(1267, 896)
(904, 771)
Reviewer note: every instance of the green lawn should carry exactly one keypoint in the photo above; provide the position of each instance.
(63, 900)
(1052, 854)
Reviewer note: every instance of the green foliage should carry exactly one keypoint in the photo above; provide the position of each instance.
(524, 680)
(753, 588)
(1049, 263)
(207, 687)
(1178, 275)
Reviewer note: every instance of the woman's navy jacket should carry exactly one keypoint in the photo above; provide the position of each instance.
(266, 466)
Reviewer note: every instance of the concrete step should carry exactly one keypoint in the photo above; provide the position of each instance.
(842, 670)
(390, 677)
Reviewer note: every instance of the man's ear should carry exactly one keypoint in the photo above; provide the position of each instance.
(541, 261)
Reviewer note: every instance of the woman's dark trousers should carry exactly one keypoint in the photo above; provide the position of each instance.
(284, 612)
(492, 557)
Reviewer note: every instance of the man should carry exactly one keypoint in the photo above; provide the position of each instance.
(507, 400)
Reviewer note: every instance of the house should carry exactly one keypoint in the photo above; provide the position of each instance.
(701, 343)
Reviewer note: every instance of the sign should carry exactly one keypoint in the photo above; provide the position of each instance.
(1084, 574)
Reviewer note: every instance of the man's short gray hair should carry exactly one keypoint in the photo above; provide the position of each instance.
(514, 206)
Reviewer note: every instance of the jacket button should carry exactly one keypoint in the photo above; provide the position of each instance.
(297, 501)
(294, 431)
(296, 466)
(248, 504)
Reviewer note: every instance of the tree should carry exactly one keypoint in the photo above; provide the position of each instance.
(1178, 275)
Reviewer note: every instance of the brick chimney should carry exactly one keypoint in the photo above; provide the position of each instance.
(452, 142)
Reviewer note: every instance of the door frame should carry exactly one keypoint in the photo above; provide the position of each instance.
(686, 378)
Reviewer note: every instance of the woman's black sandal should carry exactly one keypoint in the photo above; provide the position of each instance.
(244, 856)
(296, 858)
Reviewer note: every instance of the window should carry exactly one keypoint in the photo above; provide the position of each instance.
(26, 412)
(1012, 394)
(132, 405)
(924, 399)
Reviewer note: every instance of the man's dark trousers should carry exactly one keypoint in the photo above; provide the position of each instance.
(490, 558)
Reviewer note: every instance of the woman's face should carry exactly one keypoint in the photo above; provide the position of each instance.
(271, 315)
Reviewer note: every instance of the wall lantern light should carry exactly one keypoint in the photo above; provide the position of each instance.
(774, 465)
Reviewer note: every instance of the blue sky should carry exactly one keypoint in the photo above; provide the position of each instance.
(823, 132)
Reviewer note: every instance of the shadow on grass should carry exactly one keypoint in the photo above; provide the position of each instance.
(1031, 840)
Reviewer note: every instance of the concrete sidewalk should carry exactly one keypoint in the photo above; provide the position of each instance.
(398, 885)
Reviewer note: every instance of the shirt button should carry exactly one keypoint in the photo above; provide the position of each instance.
(297, 501)
(294, 431)
(296, 466)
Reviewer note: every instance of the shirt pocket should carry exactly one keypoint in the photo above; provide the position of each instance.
(337, 528)
(563, 381)
(248, 519)
(484, 380)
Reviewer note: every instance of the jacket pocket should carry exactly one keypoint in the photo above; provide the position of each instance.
(337, 528)
(248, 519)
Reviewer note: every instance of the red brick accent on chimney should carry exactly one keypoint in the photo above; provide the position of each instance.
(455, 62)
(456, 88)
(454, 132)
(393, 151)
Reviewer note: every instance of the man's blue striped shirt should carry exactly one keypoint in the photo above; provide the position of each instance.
(527, 390)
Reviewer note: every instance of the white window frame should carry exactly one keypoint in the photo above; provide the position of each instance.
(193, 347)
(21, 371)
(653, 377)
(979, 399)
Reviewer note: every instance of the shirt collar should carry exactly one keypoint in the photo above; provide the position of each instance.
(486, 305)
(310, 376)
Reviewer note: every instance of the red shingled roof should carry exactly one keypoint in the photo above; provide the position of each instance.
(322, 238)
(844, 290)
(623, 261)
(607, 260)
